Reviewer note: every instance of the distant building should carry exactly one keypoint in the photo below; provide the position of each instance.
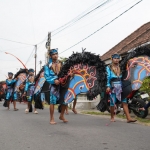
(140, 37)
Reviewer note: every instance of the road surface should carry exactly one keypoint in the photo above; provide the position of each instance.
(20, 131)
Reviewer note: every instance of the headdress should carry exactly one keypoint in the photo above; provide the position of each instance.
(31, 70)
(53, 51)
(10, 73)
(115, 56)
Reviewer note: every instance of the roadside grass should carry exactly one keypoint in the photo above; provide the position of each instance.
(145, 121)
(47, 106)
(93, 113)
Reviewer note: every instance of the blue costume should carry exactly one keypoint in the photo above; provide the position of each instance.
(115, 84)
(10, 90)
(51, 75)
(29, 87)
(42, 97)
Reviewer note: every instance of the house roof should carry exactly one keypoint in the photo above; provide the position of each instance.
(135, 39)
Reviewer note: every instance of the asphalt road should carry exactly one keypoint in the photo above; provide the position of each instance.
(20, 131)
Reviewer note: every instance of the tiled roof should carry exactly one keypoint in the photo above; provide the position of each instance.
(135, 39)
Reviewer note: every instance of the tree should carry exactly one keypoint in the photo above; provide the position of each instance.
(146, 85)
(63, 59)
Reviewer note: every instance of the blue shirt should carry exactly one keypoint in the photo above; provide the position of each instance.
(28, 85)
(9, 82)
(49, 75)
(110, 75)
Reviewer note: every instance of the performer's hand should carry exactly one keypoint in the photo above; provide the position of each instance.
(57, 82)
(71, 74)
(108, 90)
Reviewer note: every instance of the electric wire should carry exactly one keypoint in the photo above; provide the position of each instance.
(102, 26)
(91, 7)
(30, 56)
(15, 41)
(79, 17)
(93, 21)
(72, 23)
(16, 48)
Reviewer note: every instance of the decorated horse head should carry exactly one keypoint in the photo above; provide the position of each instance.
(39, 84)
(137, 68)
(2, 90)
(21, 76)
(39, 81)
(88, 76)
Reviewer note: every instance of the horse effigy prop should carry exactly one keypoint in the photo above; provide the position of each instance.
(2, 90)
(89, 76)
(39, 87)
(21, 76)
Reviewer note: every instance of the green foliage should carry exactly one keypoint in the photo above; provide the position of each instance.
(146, 85)
(63, 59)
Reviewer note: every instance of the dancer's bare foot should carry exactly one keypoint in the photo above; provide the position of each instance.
(63, 119)
(66, 113)
(74, 111)
(52, 122)
(131, 120)
(112, 120)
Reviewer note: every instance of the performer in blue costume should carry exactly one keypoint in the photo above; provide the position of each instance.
(29, 89)
(51, 72)
(114, 87)
(10, 94)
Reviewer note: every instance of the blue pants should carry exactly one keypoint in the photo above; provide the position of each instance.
(54, 94)
(29, 98)
(53, 99)
(11, 95)
(113, 99)
(42, 97)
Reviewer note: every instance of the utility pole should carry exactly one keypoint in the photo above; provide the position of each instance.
(35, 56)
(40, 64)
(48, 45)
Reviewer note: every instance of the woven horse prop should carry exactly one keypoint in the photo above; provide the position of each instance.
(82, 81)
(21, 76)
(137, 68)
(39, 83)
(89, 76)
(2, 90)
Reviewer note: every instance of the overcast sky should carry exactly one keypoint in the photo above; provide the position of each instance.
(29, 21)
